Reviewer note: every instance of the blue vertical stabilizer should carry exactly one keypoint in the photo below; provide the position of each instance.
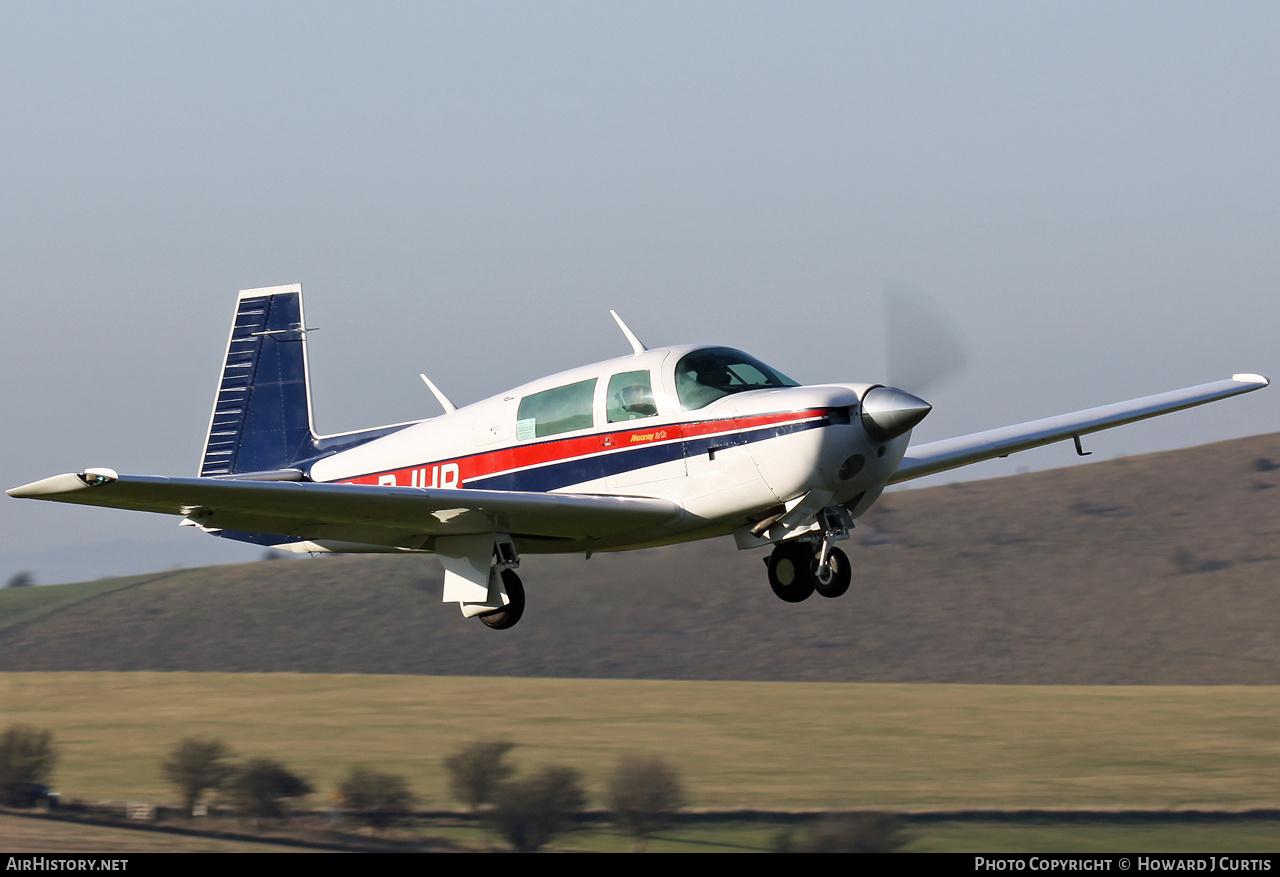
(262, 416)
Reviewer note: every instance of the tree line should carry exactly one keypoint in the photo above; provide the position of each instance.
(643, 793)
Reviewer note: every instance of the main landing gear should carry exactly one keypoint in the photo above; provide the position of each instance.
(506, 559)
(799, 568)
(508, 615)
(479, 575)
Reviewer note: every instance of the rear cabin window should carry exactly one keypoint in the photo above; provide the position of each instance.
(630, 397)
(551, 412)
(706, 375)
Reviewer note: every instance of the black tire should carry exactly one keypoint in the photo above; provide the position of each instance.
(506, 617)
(841, 575)
(791, 572)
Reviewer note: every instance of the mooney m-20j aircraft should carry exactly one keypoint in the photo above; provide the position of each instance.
(661, 446)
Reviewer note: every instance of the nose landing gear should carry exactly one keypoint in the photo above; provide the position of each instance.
(799, 568)
(795, 575)
(838, 575)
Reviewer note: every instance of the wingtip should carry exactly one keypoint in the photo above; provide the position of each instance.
(46, 487)
(65, 483)
(1251, 379)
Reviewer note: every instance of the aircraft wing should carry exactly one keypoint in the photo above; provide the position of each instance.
(403, 516)
(953, 453)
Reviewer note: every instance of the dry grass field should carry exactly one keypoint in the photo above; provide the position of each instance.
(738, 744)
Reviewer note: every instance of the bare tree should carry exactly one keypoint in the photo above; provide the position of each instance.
(528, 813)
(27, 758)
(198, 765)
(645, 794)
(261, 787)
(476, 771)
(377, 798)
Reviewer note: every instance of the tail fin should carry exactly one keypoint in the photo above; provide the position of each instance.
(262, 416)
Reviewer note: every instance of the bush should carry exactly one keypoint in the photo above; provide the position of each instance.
(645, 794)
(261, 787)
(377, 798)
(476, 771)
(528, 813)
(198, 765)
(27, 759)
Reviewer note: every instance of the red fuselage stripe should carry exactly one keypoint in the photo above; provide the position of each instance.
(555, 451)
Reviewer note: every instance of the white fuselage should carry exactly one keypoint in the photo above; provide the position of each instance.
(728, 464)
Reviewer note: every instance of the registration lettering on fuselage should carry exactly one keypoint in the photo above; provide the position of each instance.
(445, 475)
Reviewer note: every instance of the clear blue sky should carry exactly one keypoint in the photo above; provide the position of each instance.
(1092, 191)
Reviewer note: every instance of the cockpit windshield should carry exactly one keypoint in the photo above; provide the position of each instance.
(704, 376)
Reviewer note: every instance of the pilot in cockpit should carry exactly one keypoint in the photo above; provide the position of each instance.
(636, 401)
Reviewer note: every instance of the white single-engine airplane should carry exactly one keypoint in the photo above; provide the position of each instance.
(658, 447)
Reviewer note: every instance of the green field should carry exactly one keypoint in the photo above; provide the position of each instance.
(1031, 836)
(788, 746)
(1043, 836)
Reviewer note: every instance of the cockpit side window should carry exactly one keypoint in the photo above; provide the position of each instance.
(551, 412)
(704, 376)
(630, 397)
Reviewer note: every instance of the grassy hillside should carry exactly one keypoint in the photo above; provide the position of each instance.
(1159, 569)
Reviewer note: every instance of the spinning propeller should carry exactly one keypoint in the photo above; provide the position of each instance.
(924, 348)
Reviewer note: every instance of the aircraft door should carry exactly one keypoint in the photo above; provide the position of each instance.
(638, 447)
(494, 422)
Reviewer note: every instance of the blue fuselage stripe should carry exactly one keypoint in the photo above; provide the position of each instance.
(554, 476)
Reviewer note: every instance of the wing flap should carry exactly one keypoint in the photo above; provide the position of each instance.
(307, 509)
(929, 459)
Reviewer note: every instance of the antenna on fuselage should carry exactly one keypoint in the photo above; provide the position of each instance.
(448, 406)
(636, 345)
